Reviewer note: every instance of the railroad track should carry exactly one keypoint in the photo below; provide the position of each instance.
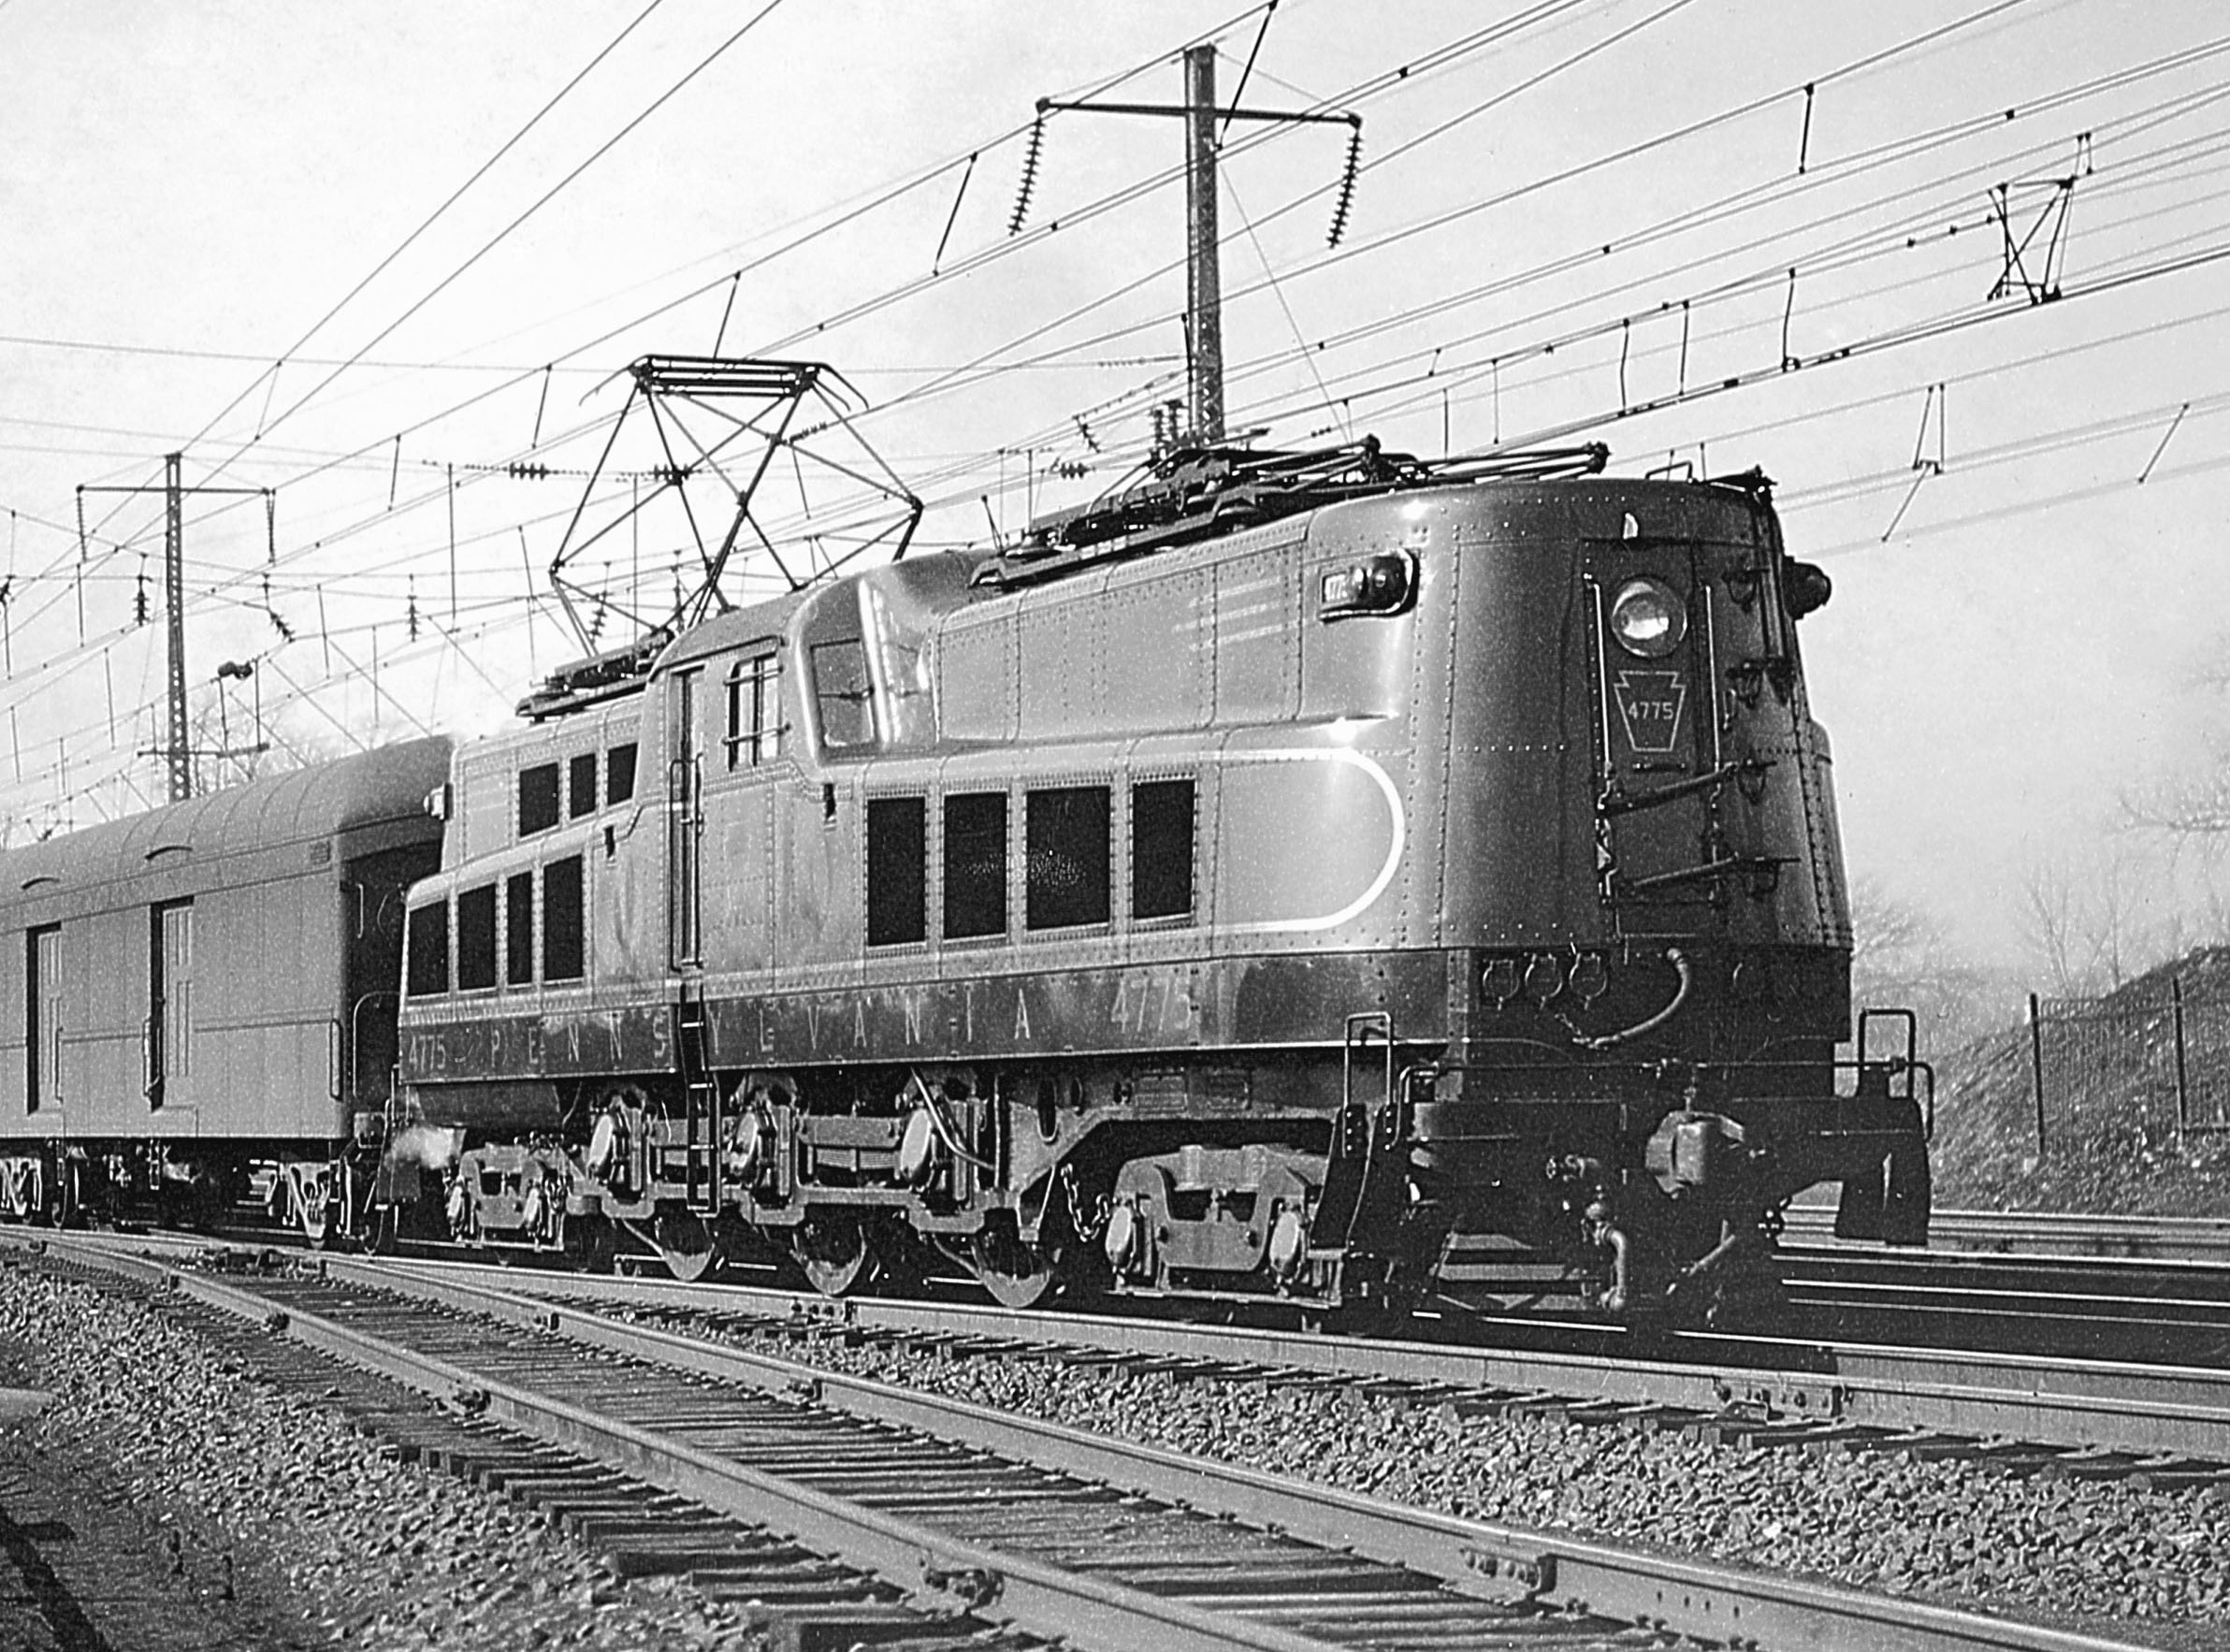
(2162, 1426)
(2155, 1289)
(2161, 1309)
(2168, 1312)
(2174, 1238)
(871, 1510)
(2159, 1424)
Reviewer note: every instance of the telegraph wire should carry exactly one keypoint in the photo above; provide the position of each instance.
(428, 222)
(2027, 505)
(189, 352)
(1443, 220)
(543, 200)
(536, 369)
(1755, 196)
(1391, 77)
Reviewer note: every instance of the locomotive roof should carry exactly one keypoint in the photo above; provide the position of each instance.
(944, 571)
(1195, 496)
(368, 789)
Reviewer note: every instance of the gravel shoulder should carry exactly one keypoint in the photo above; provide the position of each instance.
(162, 1480)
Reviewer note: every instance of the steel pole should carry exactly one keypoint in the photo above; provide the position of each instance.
(174, 603)
(1204, 288)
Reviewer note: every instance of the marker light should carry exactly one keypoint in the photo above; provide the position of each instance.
(1649, 618)
(1377, 585)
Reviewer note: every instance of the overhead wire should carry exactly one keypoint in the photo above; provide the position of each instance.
(361, 451)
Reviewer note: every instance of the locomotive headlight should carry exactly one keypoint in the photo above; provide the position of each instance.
(1649, 618)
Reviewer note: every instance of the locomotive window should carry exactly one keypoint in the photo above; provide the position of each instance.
(1067, 880)
(754, 712)
(841, 691)
(429, 951)
(538, 799)
(619, 773)
(519, 927)
(974, 864)
(897, 881)
(563, 948)
(580, 785)
(1162, 848)
(476, 939)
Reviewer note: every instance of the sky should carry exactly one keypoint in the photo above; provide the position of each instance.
(1617, 220)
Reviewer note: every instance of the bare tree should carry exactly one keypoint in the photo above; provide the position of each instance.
(2050, 926)
(1901, 955)
(2190, 807)
(2084, 920)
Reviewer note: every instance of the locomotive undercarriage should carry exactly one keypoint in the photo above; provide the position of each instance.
(1373, 1175)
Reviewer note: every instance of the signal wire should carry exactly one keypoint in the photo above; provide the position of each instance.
(543, 200)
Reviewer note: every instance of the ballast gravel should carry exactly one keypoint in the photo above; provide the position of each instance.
(2096, 1553)
(261, 1507)
(272, 1519)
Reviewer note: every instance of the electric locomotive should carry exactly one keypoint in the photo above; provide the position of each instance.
(1329, 877)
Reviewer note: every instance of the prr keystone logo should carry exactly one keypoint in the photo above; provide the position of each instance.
(1650, 703)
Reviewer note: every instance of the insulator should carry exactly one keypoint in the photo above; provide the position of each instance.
(411, 613)
(1022, 201)
(1085, 431)
(286, 632)
(140, 596)
(1347, 184)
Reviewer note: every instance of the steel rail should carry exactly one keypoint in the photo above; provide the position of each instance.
(929, 1563)
(2141, 1409)
(1732, 1607)
(2187, 1238)
(1505, 1563)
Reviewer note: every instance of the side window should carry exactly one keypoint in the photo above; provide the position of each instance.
(842, 693)
(42, 1015)
(580, 785)
(429, 972)
(974, 864)
(1067, 868)
(1162, 848)
(476, 939)
(619, 773)
(755, 711)
(564, 951)
(519, 927)
(897, 880)
(538, 799)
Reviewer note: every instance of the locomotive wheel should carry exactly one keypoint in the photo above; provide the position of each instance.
(590, 1243)
(314, 1210)
(834, 1254)
(685, 1243)
(1018, 1275)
